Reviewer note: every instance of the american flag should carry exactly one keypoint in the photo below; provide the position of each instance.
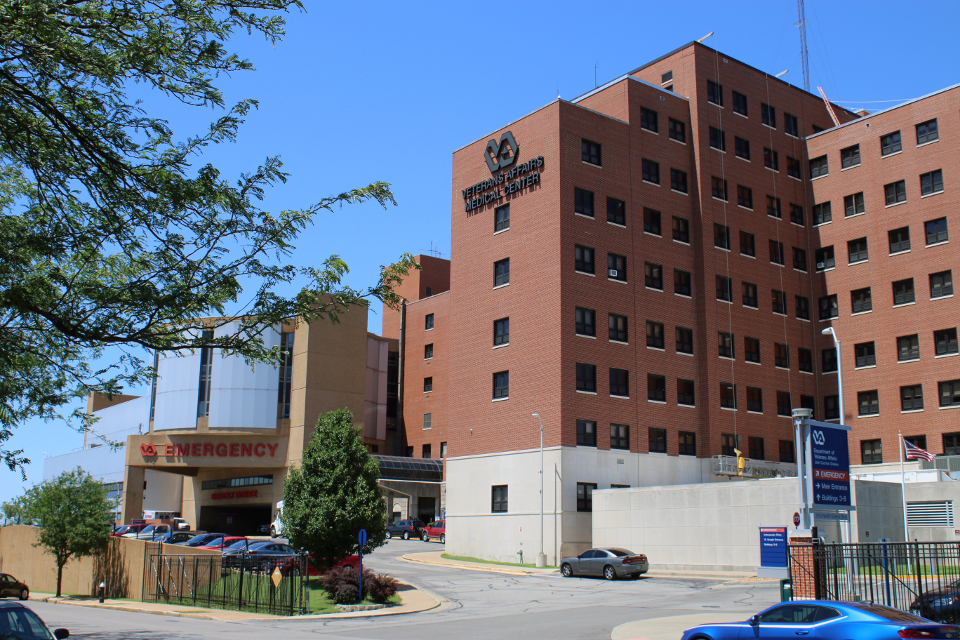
(915, 453)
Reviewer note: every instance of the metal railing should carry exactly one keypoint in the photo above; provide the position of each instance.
(727, 466)
(921, 577)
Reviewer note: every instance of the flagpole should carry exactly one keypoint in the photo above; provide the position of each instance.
(903, 492)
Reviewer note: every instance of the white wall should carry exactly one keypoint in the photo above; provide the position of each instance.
(178, 382)
(242, 397)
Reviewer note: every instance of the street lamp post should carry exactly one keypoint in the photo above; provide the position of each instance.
(829, 331)
(541, 557)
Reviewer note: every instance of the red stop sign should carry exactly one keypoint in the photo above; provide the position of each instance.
(796, 519)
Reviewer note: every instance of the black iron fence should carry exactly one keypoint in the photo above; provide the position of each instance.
(260, 584)
(922, 577)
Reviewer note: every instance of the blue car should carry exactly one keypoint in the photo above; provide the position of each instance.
(823, 620)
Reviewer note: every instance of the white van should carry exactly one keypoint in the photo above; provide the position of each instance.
(276, 527)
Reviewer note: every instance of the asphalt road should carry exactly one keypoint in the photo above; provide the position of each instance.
(482, 605)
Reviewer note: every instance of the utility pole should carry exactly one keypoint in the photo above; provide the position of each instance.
(803, 45)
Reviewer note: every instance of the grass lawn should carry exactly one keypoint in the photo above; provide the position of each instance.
(479, 561)
(320, 602)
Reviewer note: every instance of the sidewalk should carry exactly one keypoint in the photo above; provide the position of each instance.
(669, 628)
(415, 600)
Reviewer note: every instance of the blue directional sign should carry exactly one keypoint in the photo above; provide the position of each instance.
(773, 547)
(831, 466)
(362, 538)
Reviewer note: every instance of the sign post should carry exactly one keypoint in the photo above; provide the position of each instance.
(823, 468)
(362, 539)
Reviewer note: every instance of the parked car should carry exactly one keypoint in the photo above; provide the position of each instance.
(609, 562)
(276, 527)
(263, 554)
(10, 587)
(406, 529)
(149, 532)
(201, 539)
(180, 524)
(224, 542)
(826, 621)
(124, 529)
(942, 604)
(317, 566)
(435, 531)
(17, 621)
(175, 537)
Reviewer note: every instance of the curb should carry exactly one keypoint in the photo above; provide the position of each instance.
(492, 568)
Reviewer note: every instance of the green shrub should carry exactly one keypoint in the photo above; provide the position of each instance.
(343, 586)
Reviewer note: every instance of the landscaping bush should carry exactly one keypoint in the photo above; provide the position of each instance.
(378, 587)
(343, 587)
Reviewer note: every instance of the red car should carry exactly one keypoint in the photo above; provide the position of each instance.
(318, 566)
(128, 528)
(223, 543)
(435, 531)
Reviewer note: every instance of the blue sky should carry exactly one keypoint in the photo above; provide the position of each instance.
(366, 91)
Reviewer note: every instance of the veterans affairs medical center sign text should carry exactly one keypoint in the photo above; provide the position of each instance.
(503, 183)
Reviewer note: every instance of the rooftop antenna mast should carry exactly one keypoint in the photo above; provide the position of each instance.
(804, 56)
(434, 251)
(595, 74)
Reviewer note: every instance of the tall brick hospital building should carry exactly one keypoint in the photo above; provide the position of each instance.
(649, 269)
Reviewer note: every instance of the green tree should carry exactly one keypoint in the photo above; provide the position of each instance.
(13, 510)
(334, 492)
(73, 513)
(114, 237)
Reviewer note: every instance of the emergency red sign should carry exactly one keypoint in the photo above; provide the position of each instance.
(210, 449)
(228, 495)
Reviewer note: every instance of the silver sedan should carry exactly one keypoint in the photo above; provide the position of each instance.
(609, 562)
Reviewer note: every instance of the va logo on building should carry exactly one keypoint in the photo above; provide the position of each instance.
(501, 156)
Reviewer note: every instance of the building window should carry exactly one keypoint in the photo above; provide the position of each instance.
(870, 452)
(779, 299)
(678, 180)
(583, 202)
(653, 276)
(799, 259)
(829, 360)
(755, 400)
(781, 355)
(501, 217)
(741, 147)
(755, 448)
(657, 439)
(425, 451)
(866, 354)
(796, 214)
(687, 443)
(654, 335)
(619, 383)
(617, 267)
(681, 282)
(739, 103)
(751, 350)
(648, 119)
(584, 259)
(616, 211)
(501, 272)
(681, 229)
(428, 384)
(927, 132)
(718, 187)
(586, 377)
(678, 131)
(831, 407)
(899, 239)
(728, 442)
(684, 340)
(850, 157)
(620, 436)
(501, 385)
(656, 388)
(895, 192)
(903, 292)
(651, 171)
(911, 398)
(501, 331)
(206, 371)
(749, 294)
(936, 231)
(951, 444)
(591, 152)
(931, 183)
(853, 204)
(771, 159)
(818, 167)
(793, 168)
(286, 376)
(861, 301)
(586, 322)
(725, 341)
(498, 501)
(857, 250)
(714, 92)
(776, 252)
(651, 221)
(908, 348)
(890, 143)
(941, 284)
(787, 453)
(685, 394)
(744, 196)
(443, 450)
(585, 496)
(586, 433)
(950, 393)
(828, 307)
(618, 328)
(427, 351)
(427, 422)
(428, 322)
(945, 341)
(803, 307)
(728, 395)
(790, 125)
(805, 358)
(721, 236)
(748, 246)
(773, 207)
(868, 403)
(768, 115)
(808, 402)
(428, 291)
(822, 213)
